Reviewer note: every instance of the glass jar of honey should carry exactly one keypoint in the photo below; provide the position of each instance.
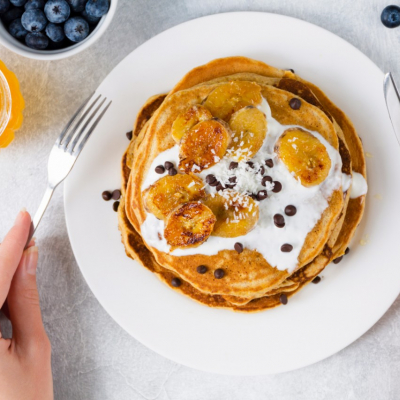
(11, 105)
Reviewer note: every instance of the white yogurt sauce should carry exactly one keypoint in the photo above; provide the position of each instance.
(266, 238)
(359, 186)
(346, 182)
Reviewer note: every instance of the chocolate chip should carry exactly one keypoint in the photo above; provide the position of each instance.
(286, 248)
(269, 163)
(220, 187)
(316, 280)
(215, 183)
(168, 165)
(210, 179)
(253, 196)
(160, 169)
(129, 135)
(337, 260)
(230, 186)
(202, 269)
(266, 179)
(219, 273)
(233, 179)
(176, 282)
(116, 194)
(238, 247)
(172, 171)
(250, 164)
(233, 165)
(279, 220)
(283, 298)
(261, 195)
(290, 69)
(106, 195)
(347, 251)
(277, 187)
(290, 210)
(115, 206)
(295, 103)
(261, 170)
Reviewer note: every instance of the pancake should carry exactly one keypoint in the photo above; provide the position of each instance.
(325, 242)
(263, 274)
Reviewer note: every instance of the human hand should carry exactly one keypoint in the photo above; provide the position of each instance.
(25, 360)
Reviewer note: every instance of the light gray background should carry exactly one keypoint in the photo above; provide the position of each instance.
(93, 358)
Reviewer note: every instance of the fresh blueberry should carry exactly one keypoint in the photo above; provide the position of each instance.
(4, 6)
(34, 20)
(18, 3)
(17, 30)
(97, 8)
(31, 4)
(89, 18)
(76, 29)
(390, 16)
(12, 14)
(36, 40)
(57, 11)
(55, 32)
(77, 5)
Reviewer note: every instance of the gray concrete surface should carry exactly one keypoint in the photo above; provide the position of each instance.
(93, 358)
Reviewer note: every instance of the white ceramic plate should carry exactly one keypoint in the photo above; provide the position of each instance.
(319, 321)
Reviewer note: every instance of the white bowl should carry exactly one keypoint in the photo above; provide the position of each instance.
(17, 47)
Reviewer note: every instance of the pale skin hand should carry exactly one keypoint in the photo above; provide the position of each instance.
(25, 360)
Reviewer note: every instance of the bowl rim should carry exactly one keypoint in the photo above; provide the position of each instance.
(17, 47)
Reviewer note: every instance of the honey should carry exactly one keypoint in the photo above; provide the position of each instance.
(11, 105)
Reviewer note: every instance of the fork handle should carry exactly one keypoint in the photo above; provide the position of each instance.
(40, 211)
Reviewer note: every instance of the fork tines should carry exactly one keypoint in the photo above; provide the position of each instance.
(79, 128)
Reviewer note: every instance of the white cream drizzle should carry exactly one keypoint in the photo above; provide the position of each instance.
(346, 182)
(359, 186)
(266, 238)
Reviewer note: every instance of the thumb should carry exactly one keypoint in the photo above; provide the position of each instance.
(23, 301)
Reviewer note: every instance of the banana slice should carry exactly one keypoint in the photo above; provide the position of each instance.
(304, 156)
(188, 119)
(204, 145)
(249, 128)
(237, 214)
(230, 97)
(189, 225)
(170, 191)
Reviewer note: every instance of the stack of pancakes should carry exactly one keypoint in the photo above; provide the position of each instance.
(250, 283)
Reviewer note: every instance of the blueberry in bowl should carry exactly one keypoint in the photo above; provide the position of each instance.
(17, 30)
(76, 29)
(36, 40)
(57, 11)
(55, 32)
(34, 20)
(53, 29)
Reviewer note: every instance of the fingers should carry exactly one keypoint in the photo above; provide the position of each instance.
(4, 309)
(23, 302)
(11, 251)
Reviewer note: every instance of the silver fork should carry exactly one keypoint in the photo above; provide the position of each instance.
(67, 149)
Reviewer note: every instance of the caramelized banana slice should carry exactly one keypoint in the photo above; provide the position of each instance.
(204, 145)
(189, 225)
(237, 214)
(304, 155)
(249, 128)
(170, 191)
(188, 119)
(230, 97)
